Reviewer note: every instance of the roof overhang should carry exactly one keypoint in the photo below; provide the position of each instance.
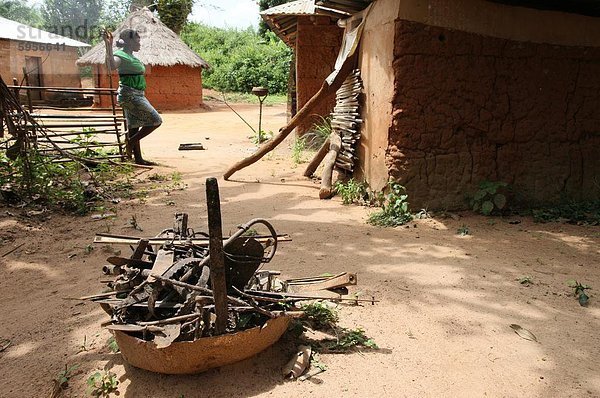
(12, 30)
(283, 19)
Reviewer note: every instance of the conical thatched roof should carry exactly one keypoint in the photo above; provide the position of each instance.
(160, 45)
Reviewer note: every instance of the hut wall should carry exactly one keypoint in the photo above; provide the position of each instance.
(318, 42)
(168, 88)
(469, 107)
(58, 68)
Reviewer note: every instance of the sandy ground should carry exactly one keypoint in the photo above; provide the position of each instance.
(446, 301)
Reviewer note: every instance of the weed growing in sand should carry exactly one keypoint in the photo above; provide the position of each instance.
(349, 338)
(61, 381)
(395, 210)
(102, 384)
(525, 280)
(133, 223)
(489, 198)
(463, 230)
(351, 191)
(318, 133)
(319, 315)
(298, 148)
(579, 291)
(112, 345)
(34, 179)
(261, 137)
(322, 316)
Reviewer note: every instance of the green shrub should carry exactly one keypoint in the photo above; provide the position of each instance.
(395, 210)
(351, 191)
(489, 199)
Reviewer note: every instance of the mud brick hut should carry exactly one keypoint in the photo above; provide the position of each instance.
(316, 41)
(457, 92)
(47, 58)
(173, 70)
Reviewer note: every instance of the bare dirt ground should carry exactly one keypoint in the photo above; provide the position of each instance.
(442, 324)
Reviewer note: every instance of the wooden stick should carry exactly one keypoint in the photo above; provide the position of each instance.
(326, 190)
(13, 249)
(303, 113)
(217, 257)
(312, 166)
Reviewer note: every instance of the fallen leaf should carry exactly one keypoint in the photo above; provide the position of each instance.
(523, 333)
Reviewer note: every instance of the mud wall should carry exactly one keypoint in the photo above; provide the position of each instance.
(469, 107)
(318, 42)
(375, 62)
(168, 88)
(58, 68)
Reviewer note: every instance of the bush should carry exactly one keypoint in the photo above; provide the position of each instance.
(240, 59)
(395, 210)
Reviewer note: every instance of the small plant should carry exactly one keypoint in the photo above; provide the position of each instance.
(261, 137)
(351, 191)
(176, 176)
(158, 177)
(463, 231)
(297, 150)
(488, 198)
(395, 210)
(101, 384)
(319, 133)
(579, 291)
(350, 338)
(133, 223)
(571, 212)
(61, 381)
(319, 315)
(83, 347)
(112, 344)
(525, 280)
(250, 232)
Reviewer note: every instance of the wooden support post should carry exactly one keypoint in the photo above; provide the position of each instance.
(217, 257)
(325, 91)
(312, 166)
(326, 190)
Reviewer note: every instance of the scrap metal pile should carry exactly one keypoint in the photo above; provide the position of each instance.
(184, 285)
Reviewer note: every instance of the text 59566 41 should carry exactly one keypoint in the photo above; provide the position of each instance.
(46, 47)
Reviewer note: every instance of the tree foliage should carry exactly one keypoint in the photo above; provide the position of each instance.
(77, 19)
(20, 12)
(240, 60)
(174, 13)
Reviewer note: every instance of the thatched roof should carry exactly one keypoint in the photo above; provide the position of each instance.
(160, 46)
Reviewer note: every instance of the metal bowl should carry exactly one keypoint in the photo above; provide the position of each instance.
(187, 357)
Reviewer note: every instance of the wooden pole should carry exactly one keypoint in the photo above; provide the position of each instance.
(306, 111)
(326, 190)
(217, 257)
(312, 166)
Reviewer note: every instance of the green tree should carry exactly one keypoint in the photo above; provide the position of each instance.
(240, 59)
(77, 19)
(174, 13)
(20, 12)
(265, 5)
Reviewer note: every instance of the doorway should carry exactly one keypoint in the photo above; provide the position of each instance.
(33, 77)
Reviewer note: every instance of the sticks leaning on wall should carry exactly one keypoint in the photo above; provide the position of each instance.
(344, 137)
(302, 114)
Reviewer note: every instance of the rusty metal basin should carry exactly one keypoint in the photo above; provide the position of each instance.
(187, 357)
